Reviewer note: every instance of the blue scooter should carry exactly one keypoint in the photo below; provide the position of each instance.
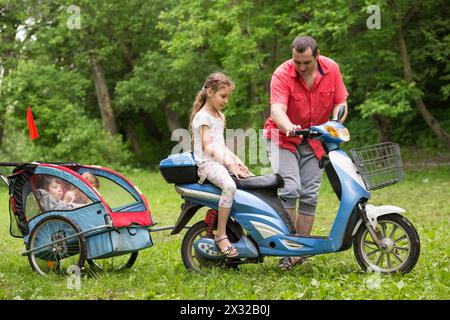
(383, 239)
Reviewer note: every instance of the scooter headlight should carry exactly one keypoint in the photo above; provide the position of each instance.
(342, 133)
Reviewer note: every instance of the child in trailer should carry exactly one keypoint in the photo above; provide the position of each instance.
(76, 196)
(215, 161)
(92, 179)
(52, 196)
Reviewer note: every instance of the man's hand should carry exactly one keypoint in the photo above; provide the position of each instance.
(291, 130)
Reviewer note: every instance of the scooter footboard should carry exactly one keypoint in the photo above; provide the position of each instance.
(208, 248)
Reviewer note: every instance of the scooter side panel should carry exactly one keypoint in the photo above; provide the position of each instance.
(353, 190)
(260, 220)
(257, 217)
(252, 213)
(207, 195)
(283, 245)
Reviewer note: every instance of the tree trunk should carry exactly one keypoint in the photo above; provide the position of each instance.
(131, 135)
(426, 115)
(2, 70)
(103, 98)
(271, 63)
(172, 120)
(128, 56)
(2, 129)
(150, 127)
(384, 127)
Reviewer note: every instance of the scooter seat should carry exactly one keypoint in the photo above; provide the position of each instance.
(267, 181)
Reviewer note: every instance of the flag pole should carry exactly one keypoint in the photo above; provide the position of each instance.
(43, 154)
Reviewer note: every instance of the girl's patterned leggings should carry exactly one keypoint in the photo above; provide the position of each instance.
(219, 176)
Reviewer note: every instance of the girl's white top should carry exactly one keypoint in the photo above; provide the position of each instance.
(216, 129)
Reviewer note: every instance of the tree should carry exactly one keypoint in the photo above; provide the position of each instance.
(13, 16)
(66, 132)
(241, 38)
(133, 68)
(404, 16)
(376, 62)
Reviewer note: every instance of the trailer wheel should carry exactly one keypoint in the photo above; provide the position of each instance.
(117, 263)
(57, 246)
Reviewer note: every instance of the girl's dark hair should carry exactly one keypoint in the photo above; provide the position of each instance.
(215, 81)
(301, 43)
(47, 181)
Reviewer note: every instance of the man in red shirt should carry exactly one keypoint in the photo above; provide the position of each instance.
(304, 91)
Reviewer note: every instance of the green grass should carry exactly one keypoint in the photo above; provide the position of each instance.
(159, 272)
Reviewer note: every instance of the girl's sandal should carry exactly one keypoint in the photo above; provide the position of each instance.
(230, 251)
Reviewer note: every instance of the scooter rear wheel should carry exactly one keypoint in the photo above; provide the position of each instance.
(400, 251)
(193, 260)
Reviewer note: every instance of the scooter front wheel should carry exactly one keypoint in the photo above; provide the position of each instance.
(399, 249)
(192, 259)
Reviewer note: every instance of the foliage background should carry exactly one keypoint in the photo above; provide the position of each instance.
(154, 56)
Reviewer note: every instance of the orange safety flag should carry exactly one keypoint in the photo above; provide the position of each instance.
(31, 125)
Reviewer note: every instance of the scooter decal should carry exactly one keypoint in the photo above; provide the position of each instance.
(196, 193)
(208, 249)
(291, 244)
(265, 230)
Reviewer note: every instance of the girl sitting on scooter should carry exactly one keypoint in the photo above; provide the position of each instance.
(214, 160)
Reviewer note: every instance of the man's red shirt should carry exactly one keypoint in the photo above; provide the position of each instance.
(305, 107)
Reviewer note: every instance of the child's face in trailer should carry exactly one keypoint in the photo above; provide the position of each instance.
(55, 189)
(220, 98)
(93, 182)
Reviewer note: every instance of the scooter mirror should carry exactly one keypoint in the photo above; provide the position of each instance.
(341, 113)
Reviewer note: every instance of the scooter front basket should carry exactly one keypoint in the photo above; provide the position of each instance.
(380, 165)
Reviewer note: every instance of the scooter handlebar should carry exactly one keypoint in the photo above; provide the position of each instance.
(307, 133)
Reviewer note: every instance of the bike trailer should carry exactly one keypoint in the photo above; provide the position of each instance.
(61, 213)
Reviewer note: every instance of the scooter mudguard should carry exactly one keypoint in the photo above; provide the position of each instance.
(208, 248)
(373, 213)
(188, 210)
